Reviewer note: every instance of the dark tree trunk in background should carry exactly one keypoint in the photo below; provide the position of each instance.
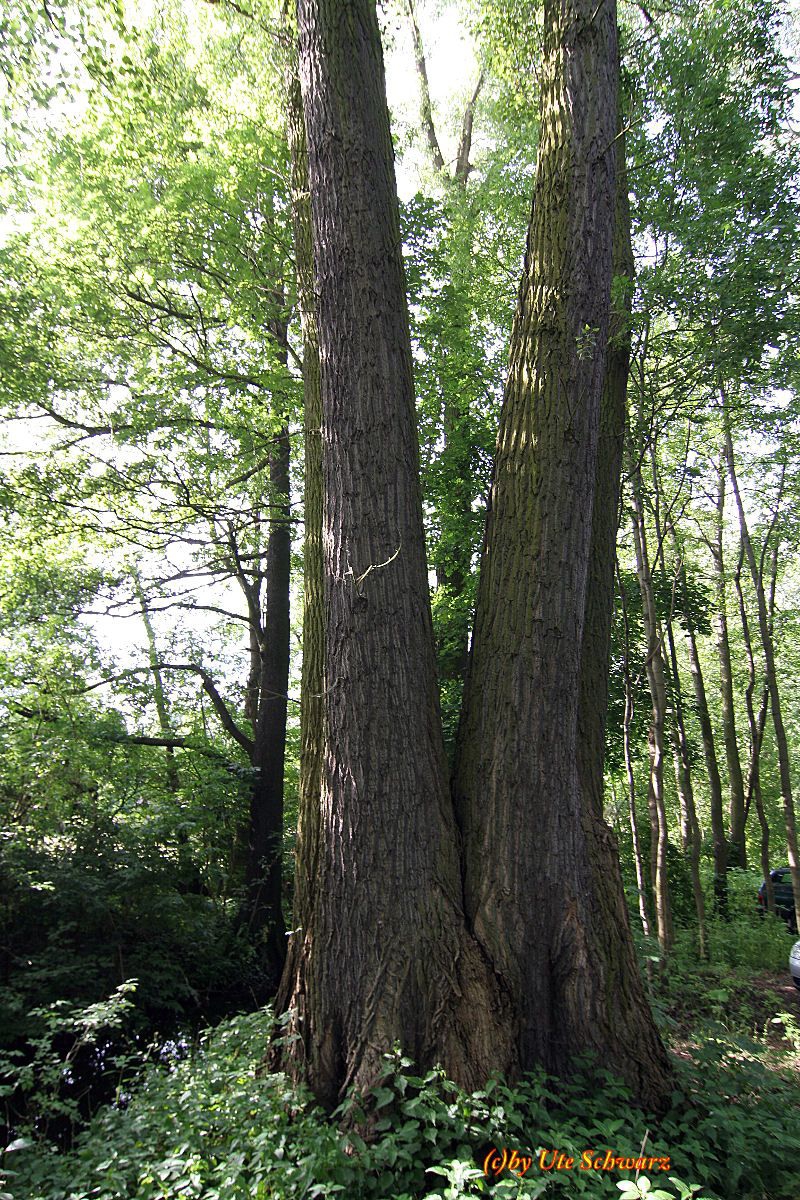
(385, 955)
(757, 722)
(719, 841)
(627, 721)
(657, 682)
(265, 580)
(530, 839)
(264, 868)
(159, 695)
(737, 852)
(692, 836)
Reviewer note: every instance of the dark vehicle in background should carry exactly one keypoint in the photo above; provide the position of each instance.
(784, 896)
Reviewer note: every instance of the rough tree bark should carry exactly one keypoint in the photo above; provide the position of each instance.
(385, 955)
(530, 850)
(312, 714)
(620, 962)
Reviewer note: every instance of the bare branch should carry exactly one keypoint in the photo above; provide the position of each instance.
(220, 707)
(463, 165)
(426, 108)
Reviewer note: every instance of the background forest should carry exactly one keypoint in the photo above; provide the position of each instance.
(157, 498)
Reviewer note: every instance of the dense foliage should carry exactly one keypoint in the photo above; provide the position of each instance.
(151, 362)
(217, 1125)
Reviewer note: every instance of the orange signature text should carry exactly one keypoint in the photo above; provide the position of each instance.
(519, 1162)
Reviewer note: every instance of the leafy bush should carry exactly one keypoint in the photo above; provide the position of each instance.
(216, 1127)
(76, 921)
(66, 1067)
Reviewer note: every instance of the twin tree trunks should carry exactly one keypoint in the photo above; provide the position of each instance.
(482, 927)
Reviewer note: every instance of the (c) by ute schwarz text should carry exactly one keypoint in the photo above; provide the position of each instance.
(518, 1162)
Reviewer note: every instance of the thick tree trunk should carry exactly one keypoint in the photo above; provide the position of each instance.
(620, 963)
(737, 854)
(531, 842)
(656, 679)
(312, 714)
(768, 648)
(385, 954)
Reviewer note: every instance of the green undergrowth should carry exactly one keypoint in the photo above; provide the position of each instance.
(215, 1126)
(734, 985)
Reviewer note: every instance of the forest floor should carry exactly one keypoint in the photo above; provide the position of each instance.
(775, 1004)
(764, 1007)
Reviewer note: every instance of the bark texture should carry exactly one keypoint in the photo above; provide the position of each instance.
(619, 966)
(312, 715)
(529, 836)
(385, 955)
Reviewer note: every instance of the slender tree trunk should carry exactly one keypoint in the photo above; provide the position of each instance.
(190, 878)
(719, 841)
(426, 106)
(691, 825)
(693, 839)
(264, 870)
(677, 729)
(756, 723)
(385, 954)
(737, 854)
(530, 833)
(627, 722)
(159, 695)
(768, 648)
(656, 679)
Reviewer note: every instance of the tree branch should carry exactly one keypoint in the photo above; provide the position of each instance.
(426, 108)
(463, 165)
(220, 707)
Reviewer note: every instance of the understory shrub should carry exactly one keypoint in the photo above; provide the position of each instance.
(216, 1126)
